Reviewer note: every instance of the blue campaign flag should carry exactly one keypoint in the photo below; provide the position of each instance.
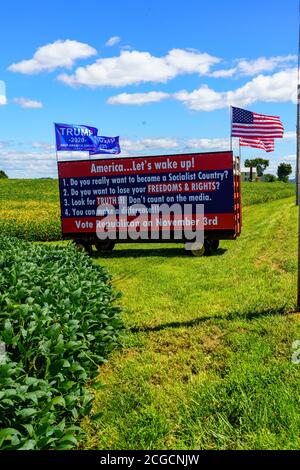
(107, 145)
(73, 137)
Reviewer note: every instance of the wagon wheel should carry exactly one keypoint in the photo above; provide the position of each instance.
(104, 245)
(196, 249)
(210, 246)
(83, 246)
(215, 245)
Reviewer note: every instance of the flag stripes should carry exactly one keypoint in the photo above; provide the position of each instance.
(248, 124)
(264, 144)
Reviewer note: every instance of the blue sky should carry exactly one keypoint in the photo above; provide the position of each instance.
(161, 74)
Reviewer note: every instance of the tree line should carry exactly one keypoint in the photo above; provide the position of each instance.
(260, 164)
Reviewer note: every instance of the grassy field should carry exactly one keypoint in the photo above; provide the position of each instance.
(29, 209)
(206, 362)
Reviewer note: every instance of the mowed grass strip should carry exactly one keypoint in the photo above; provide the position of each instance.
(207, 361)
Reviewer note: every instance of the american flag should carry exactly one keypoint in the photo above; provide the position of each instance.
(248, 124)
(265, 144)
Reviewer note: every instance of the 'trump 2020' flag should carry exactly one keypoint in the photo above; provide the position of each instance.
(265, 144)
(107, 145)
(248, 124)
(72, 137)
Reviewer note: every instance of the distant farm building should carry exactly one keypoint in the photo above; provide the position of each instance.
(245, 174)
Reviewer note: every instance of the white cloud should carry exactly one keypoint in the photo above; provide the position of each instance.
(113, 41)
(43, 145)
(138, 98)
(152, 145)
(289, 158)
(129, 146)
(22, 164)
(263, 64)
(290, 135)
(202, 99)
(127, 47)
(280, 87)
(51, 56)
(134, 67)
(223, 73)
(208, 144)
(3, 99)
(190, 61)
(27, 103)
(256, 66)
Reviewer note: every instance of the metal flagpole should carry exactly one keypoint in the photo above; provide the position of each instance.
(298, 121)
(60, 199)
(298, 145)
(56, 145)
(231, 126)
(298, 167)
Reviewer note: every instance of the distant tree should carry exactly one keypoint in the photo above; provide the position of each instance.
(283, 171)
(269, 178)
(259, 163)
(3, 174)
(248, 164)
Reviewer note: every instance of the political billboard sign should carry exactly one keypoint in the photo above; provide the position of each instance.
(186, 180)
